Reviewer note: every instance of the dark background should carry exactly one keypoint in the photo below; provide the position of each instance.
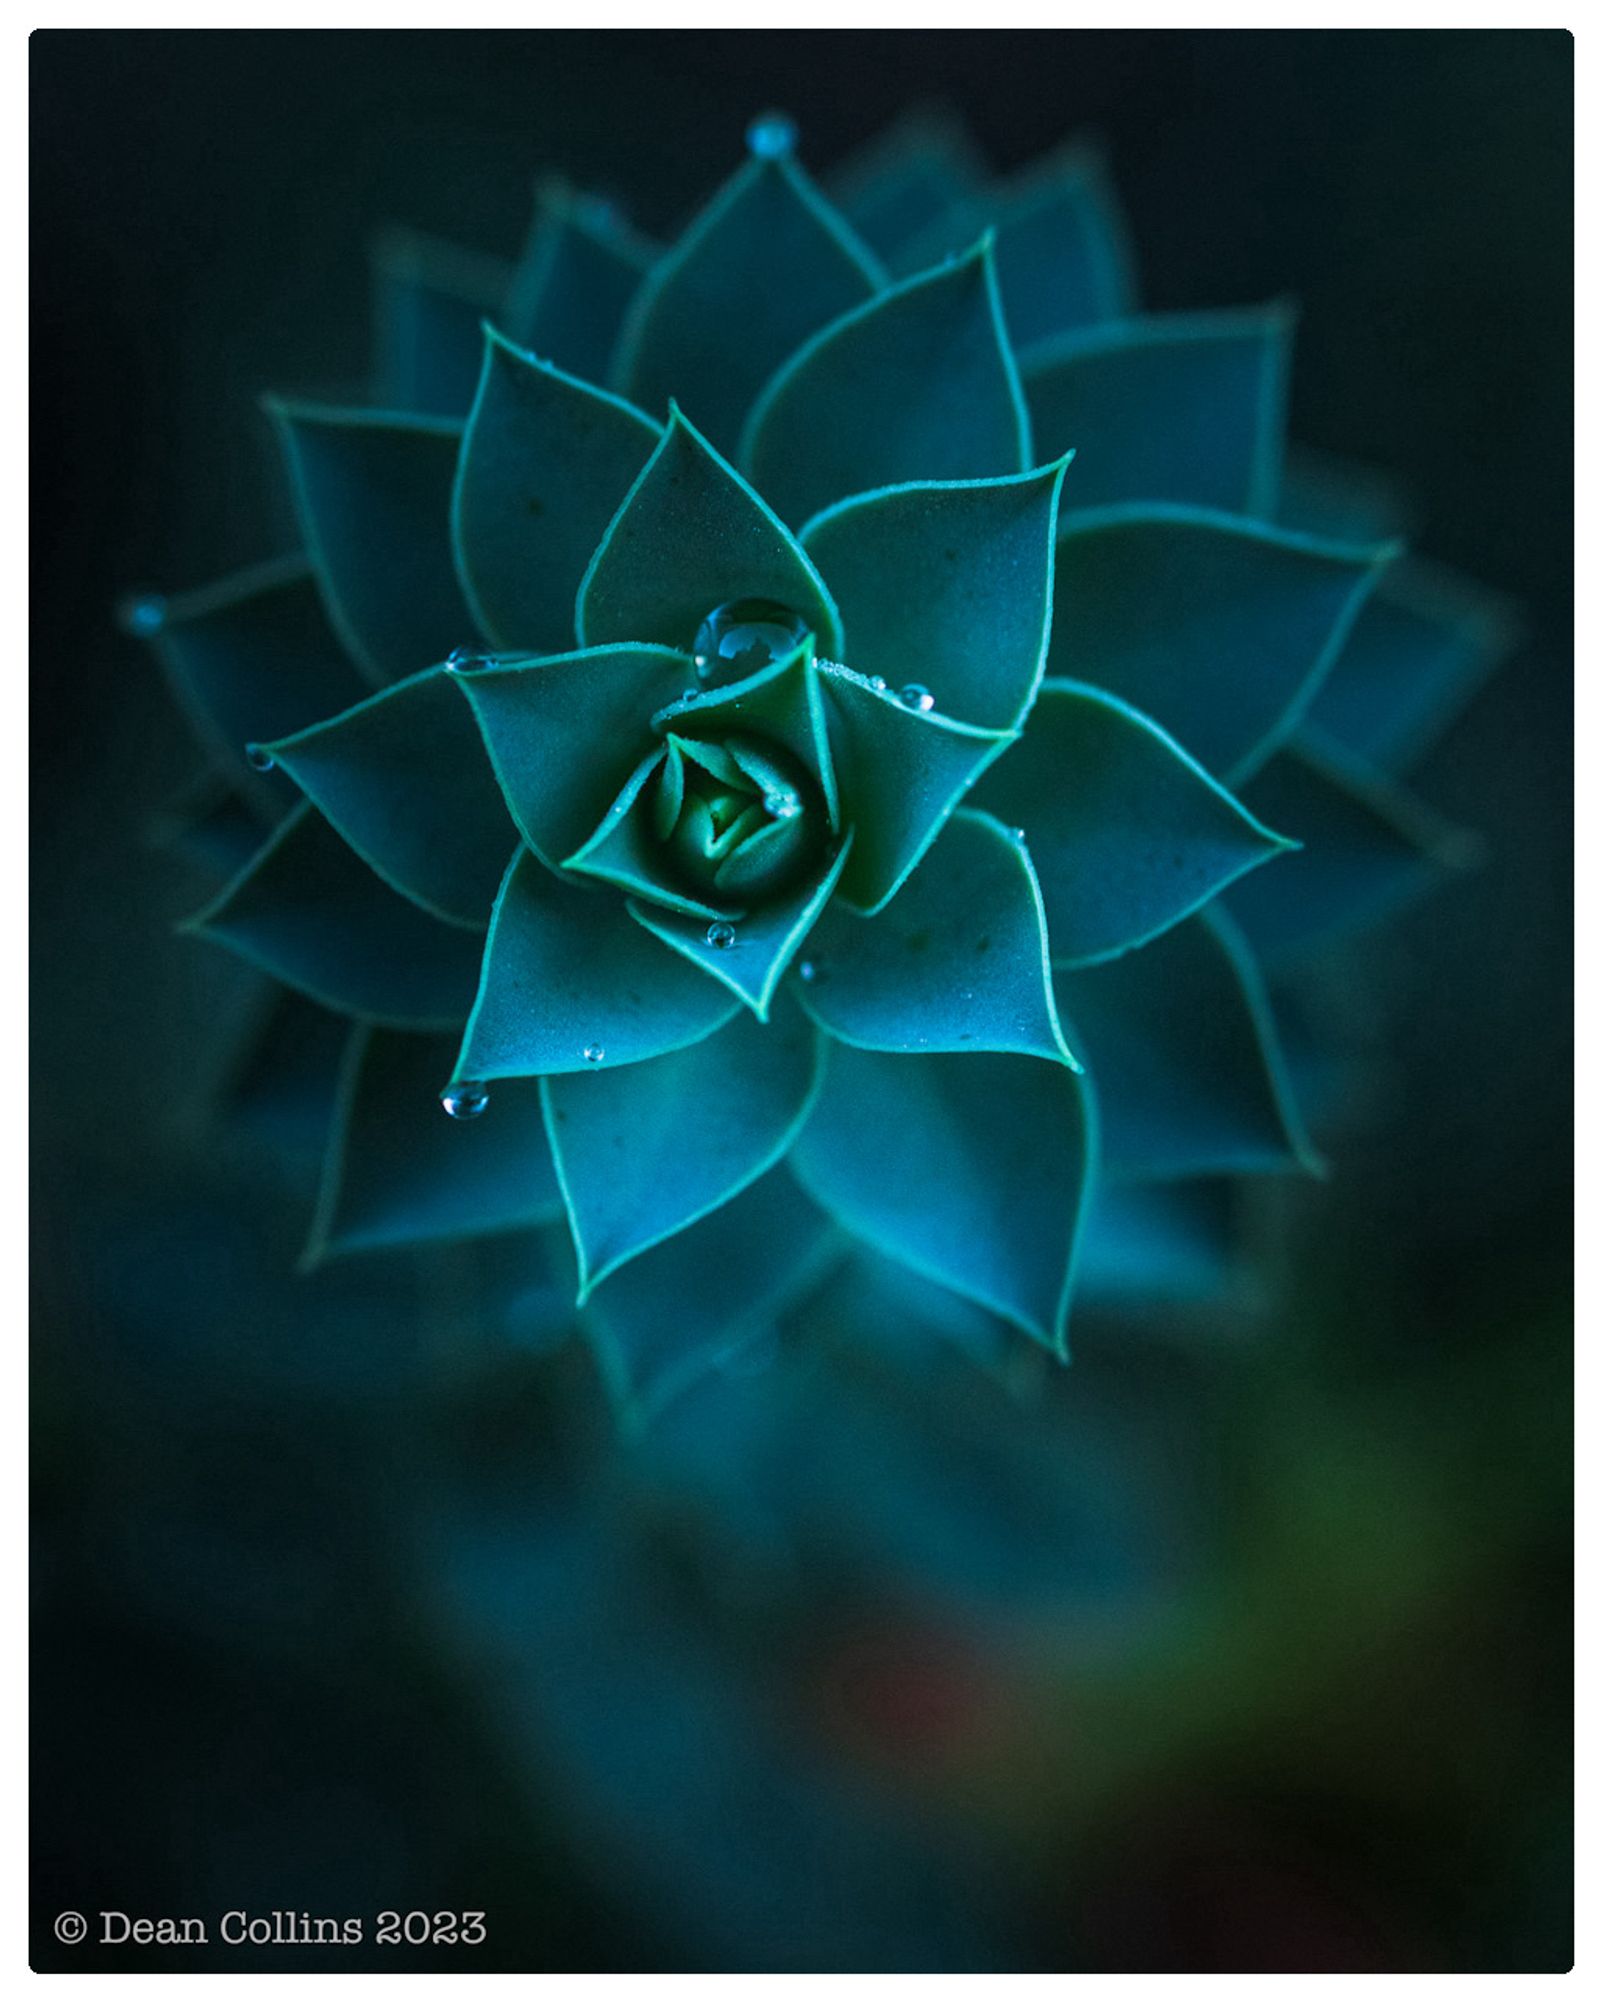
(201, 204)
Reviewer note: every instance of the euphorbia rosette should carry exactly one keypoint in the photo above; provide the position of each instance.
(793, 753)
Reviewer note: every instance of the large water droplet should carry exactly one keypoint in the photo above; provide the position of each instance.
(144, 614)
(915, 695)
(465, 1098)
(594, 1053)
(259, 759)
(743, 637)
(771, 136)
(720, 936)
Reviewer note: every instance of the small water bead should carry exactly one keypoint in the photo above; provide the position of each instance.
(465, 661)
(807, 970)
(594, 1053)
(720, 936)
(878, 684)
(690, 694)
(915, 695)
(465, 1099)
(144, 614)
(772, 136)
(259, 759)
(743, 636)
(781, 805)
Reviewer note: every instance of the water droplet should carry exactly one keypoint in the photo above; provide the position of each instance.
(465, 1098)
(807, 970)
(878, 684)
(690, 694)
(144, 614)
(915, 695)
(594, 1053)
(771, 136)
(462, 660)
(744, 636)
(781, 805)
(720, 936)
(259, 759)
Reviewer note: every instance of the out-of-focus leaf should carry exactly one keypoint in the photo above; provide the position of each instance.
(580, 269)
(430, 298)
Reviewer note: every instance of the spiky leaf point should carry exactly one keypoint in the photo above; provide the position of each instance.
(906, 181)
(902, 772)
(1262, 615)
(1128, 833)
(403, 776)
(918, 383)
(544, 465)
(1180, 1041)
(959, 962)
(1183, 407)
(250, 657)
(564, 733)
(693, 535)
(1158, 1243)
(628, 1177)
(1423, 644)
(1369, 846)
(946, 588)
(568, 983)
(574, 282)
(309, 911)
(429, 301)
(372, 490)
(729, 1278)
(762, 266)
(972, 1169)
(398, 1172)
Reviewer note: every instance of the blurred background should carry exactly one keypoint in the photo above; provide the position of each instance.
(1243, 1645)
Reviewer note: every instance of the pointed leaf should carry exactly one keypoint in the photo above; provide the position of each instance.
(626, 848)
(430, 299)
(564, 733)
(643, 1153)
(373, 494)
(762, 266)
(1221, 629)
(765, 939)
(1424, 642)
(545, 463)
(918, 383)
(249, 658)
(972, 1169)
(398, 1171)
(1187, 406)
(948, 588)
(902, 772)
(906, 181)
(1180, 1042)
(581, 267)
(310, 912)
(568, 983)
(1369, 847)
(1062, 248)
(404, 778)
(1128, 834)
(959, 961)
(728, 1279)
(1162, 1242)
(691, 536)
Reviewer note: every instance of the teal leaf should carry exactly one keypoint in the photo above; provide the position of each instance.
(693, 535)
(580, 269)
(209, 824)
(373, 494)
(1158, 1243)
(626, 849)
(781, 702)
(279, 1092)
(397, 1171)
(1368, 847)
(644, 1152)
(973, 1169)
(404, 778)
(564, 733)
(764, 942)
(1186, 406)
(902, 772)
(1342, 499)
(918, 383)
(765, 264)
(1181, 1045)
(728, 1279)
(906, 181)
(1222, 629)
(430, 299)
(1423, 644)
(1128, 833)
(948, 588)
(568, 984)
(544, 465)
(250, 658)
(958, 962)
(309, 911)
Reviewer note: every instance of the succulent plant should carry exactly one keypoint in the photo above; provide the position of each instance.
(829, 737)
